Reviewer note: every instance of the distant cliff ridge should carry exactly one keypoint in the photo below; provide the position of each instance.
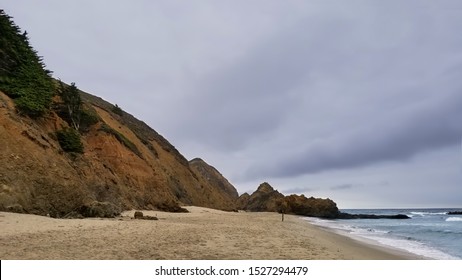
(212, 176)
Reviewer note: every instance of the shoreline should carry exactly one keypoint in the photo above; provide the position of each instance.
(371, 243)
(201, 234)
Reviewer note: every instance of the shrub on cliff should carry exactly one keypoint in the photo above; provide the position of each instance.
(117, 110)
(88, 117)
(69, 140)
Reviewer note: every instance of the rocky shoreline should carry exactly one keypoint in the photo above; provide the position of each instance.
(267, 199)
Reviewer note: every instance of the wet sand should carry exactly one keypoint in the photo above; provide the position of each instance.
(201, 234)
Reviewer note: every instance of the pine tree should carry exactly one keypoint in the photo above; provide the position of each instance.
(73, 102)
(22, 72)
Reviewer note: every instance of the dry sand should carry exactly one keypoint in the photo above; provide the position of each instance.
(202, 234)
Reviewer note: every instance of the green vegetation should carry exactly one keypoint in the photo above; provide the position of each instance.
(121, 138)
(71, 98)
(23, 76)
(117, 110)
(73, 110)
(69, 140)
(88, 117)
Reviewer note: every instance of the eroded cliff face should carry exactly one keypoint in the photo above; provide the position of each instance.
(37, 176)
(267, 199)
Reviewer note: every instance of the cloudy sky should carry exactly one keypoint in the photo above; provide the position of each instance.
(359, 101)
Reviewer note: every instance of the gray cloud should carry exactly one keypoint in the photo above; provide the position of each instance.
(300, 190)
(394, 138)
(342, 187)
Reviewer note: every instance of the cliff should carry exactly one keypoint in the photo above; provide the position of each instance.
(65, 153)
(125, 164)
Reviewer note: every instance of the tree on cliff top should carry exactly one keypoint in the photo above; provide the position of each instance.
(23, 76)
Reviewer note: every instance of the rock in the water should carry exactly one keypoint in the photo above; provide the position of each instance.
(348, 216)
(312, 207)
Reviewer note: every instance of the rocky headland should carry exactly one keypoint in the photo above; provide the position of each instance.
(267, 199)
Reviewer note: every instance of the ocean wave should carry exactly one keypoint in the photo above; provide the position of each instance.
(428, 213)
(390, 237)
(454, 219)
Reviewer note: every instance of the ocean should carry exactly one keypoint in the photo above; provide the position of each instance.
(430, 233)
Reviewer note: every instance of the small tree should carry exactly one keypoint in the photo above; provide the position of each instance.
(71, 98)
(117, 110)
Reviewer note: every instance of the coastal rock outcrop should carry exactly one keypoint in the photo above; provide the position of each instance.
(264, 199)
(242, 201)
(312, 207)
(347, 216)
(267, 199)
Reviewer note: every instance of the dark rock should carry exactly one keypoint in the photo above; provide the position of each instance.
(171, 207)
(348, 216)
(151, 218)
(454, 213)
(264, 199)
(311, 207)
(140, 216)
(73, 215)
(100, 210)
(15, 208)
(242, 201)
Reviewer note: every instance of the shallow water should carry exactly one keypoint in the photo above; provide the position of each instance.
(430, 233)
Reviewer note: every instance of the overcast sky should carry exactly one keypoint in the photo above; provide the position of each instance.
(359, 101)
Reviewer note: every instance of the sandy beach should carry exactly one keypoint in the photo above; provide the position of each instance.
(201, 234)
